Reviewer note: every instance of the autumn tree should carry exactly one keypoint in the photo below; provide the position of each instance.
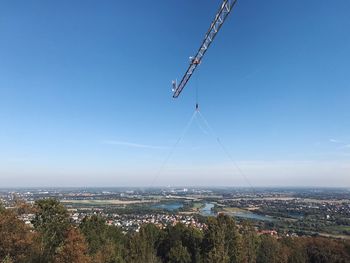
(22, 207)
(326, 250)
(295, 250)
(74, 248)
(17, 242)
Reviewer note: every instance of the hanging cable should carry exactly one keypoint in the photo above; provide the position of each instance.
(172, 149)
(197, 88)
(196, 84)
(225, 150)
(200, 126)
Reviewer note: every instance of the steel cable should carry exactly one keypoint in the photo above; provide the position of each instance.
(225, 150)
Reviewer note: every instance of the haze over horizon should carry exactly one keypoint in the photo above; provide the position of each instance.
(85, 94)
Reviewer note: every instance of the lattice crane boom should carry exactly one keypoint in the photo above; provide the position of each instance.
(214, 28)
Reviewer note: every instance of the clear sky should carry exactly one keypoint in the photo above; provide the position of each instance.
(85, 93)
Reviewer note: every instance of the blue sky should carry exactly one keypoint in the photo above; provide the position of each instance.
(85, 93)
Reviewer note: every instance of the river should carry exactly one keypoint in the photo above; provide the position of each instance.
(169, 206)
(207, 211)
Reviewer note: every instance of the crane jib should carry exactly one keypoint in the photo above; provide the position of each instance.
(214, 28)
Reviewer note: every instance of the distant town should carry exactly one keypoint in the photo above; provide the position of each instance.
(274, 211)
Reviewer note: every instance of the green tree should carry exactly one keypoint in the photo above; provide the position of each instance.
(7, 259)
(2, 208)
(108, 253)
(152, 233)
(222, 242)
(95, 231)
(172, 234)
(141, 248)
(192, 239)
(51, 221)
(250, 243)
(188, 237)
(179, 254)
(105, 242)
(271, 251)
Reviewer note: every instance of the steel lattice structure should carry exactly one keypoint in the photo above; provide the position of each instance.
(214, 28)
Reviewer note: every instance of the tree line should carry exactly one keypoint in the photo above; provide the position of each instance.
(55, 239)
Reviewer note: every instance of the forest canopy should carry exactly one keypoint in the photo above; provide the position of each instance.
(54, 238)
